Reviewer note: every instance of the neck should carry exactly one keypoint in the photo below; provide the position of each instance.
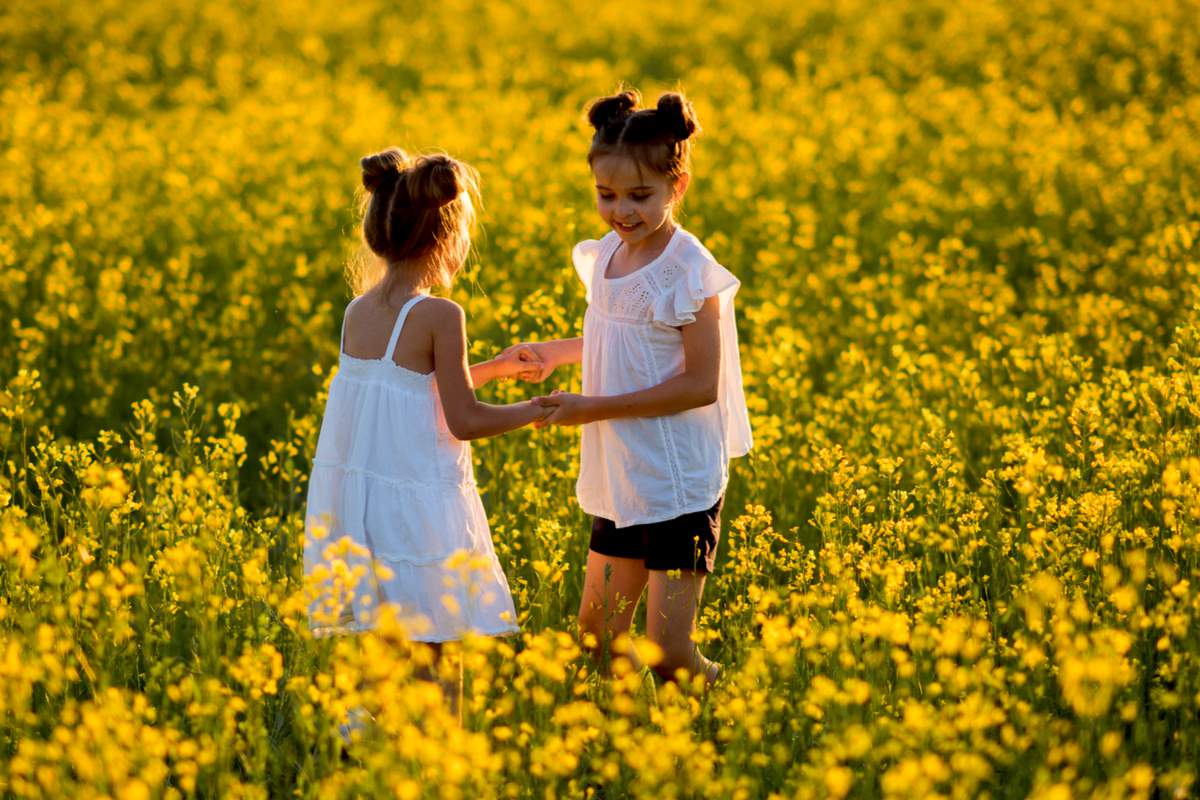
(655, 242)
(401, 285)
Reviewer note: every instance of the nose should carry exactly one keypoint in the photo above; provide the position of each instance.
(624, 208)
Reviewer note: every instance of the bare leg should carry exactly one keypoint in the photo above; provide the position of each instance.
(448, 677)
(671, 606)
(611, 589)
(357, 718)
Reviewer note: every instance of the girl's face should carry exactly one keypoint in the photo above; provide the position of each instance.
(636, 203)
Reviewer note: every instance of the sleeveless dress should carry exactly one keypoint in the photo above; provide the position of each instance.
(398, 490)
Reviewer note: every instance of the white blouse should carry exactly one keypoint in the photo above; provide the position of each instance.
(638, 470)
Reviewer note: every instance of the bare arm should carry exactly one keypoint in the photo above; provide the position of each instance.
(506, 365)
(467, 417)
(552, 355)
(561, 351)
(696, 386)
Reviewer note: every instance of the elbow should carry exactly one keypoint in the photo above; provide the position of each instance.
(706, 394)
(462, 430)
(463, 426)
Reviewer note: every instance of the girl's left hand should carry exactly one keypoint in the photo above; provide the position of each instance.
(567, 409)
(530, 363)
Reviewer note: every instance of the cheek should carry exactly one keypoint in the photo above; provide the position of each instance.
(656, 211)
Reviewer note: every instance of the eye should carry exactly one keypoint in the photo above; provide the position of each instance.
(605, 195)
(637, 198)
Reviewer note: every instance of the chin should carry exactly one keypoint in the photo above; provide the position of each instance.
(635, 235)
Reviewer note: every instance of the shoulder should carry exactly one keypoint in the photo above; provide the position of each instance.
(690, 276)
(358, 313)
(445, 321)
(355, 306)
(691, 252)
(441, 312)
(696, 266)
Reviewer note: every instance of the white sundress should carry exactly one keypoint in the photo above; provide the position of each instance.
(389, 476)
(642, 470)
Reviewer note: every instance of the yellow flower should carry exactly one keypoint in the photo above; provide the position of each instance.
(838, 781)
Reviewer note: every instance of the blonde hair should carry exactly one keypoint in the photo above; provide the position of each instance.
(417, 215)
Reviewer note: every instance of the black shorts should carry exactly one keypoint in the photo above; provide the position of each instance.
(688, 542)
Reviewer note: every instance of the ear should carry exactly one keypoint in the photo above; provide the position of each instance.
(681, 187)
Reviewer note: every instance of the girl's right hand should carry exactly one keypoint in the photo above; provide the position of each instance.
(518, 361)
(535, 365)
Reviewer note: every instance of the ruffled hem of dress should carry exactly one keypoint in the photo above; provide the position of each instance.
(433, 601)
(399, 483)
(394, 521)
(323, 631)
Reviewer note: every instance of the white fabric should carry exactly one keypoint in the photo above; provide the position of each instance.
(389, 475)
(638, 470)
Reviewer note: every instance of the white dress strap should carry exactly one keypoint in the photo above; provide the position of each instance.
(390, 353)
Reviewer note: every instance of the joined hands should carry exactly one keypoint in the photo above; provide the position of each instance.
(531, 362)
(563, 408)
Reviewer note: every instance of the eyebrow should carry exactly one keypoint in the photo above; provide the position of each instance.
(632, 189)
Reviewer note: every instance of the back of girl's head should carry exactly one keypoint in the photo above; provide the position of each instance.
(656, 138)
(417, 216)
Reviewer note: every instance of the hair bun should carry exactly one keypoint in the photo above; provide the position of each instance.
(382, 168)
(608, 110)
(677, 115)
(433, 182)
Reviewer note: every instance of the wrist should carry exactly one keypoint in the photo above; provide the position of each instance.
(550, 355)
(594, 408)
(502, 367)
(485, 372)
(534, 411)
(559, 352)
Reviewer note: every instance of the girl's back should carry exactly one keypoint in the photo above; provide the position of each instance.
(370, 322)
(383, 416)
(387, 347)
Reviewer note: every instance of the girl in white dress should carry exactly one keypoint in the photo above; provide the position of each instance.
(662, 407)
(394, 520)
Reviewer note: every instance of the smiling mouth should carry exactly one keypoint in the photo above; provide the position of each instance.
(623, 227)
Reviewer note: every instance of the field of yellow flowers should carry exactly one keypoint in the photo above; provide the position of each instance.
(963, 559)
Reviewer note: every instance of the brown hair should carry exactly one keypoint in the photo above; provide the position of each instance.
(657, 138)
(416, 215)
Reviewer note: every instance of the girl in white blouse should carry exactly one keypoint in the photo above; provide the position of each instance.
(662, 407)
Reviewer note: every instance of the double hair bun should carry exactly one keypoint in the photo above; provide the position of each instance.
(428, 181)
(673, 113)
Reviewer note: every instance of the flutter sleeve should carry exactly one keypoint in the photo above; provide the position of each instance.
(584, 257)
(697, 278)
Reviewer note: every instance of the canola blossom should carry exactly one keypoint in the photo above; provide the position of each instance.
(963, 558)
